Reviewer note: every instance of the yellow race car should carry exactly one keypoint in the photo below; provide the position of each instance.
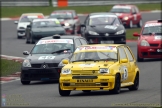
(99, 67)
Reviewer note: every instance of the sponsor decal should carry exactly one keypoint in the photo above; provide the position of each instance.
(46, 57)
(158, 37)
(123, 7)
(87, 65)
(55, 41)
(111, 27)
(84, 80)
(153, 24)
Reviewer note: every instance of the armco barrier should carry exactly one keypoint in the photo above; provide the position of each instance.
(25, 3)
(63, 3)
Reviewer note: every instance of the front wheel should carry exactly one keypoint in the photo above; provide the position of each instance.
(130, 24)
(139, 59)
(139, 25)
(64, 92)
(25, 82)
(136, 83)
(117, 86)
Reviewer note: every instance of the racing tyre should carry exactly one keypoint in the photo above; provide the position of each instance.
(136, 83)
(86, 91)
(130, 24)
(139, 59)
(64, 92)
(139, 25)
(117, 85)
(25, 82)
(19, 37)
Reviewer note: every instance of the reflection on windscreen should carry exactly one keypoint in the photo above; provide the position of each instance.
(42, 24)
(96, 55)
(61, 15)
(51, 47)
(120, 10)
(152, 30)
(103, 21)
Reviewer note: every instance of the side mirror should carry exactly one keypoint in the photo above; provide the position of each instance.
(28, 26)
(65, 61)
(26, 53)
(16, 22)
(136, 34)
(124, 61)
(76, 17)
(82, 25)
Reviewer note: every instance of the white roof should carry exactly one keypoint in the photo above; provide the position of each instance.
(94, 16)
(36, 20)
(124, 7)
(32, 14)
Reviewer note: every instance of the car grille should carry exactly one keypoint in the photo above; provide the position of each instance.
(86, 84)
(154, 45)
(84, 77)
(156, 53)
(82, 72)
(49, 65)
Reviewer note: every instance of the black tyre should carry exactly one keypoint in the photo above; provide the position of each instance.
(86, 91)
(73, 30)
(139, 25)
(25, 82)
(139, 59)
(130, 24)
(117, 86)
(64, 92)
(19, 37)
(136, 83)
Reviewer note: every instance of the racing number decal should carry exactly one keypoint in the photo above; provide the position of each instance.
(125, 73)
(135, 17)
(46, 57)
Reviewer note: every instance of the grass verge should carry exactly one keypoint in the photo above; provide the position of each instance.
(9, 67)
(129, 33)
(17, 11)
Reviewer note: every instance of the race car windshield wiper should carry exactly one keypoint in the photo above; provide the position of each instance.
(59, 51)
(113, 21)
(107, 59)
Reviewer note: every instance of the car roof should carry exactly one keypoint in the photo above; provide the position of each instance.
(32, 14)
(101, 13)
(64, 11)
(115, 45)
(62, 37)
(153, 21)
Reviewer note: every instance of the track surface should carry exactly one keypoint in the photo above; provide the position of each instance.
(46, 94)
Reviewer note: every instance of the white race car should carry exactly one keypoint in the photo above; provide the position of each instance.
(25, 20)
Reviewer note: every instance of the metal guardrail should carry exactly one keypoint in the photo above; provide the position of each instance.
(25, 3)
(104, 2)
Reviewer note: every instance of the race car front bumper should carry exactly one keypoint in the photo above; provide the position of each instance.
(112, 39)
(150, 52)
(36, 74)
(101, 83)
(21, 33)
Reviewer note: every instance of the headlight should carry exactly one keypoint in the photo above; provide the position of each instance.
(67, 24)
(125, 18)
(120, 32)
(66, 71)
(104, 70)
(93, 33)
(61, 64)
(26, 63)
(144, 43)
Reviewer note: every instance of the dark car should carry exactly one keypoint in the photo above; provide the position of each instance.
(103, 27)
(68, 19)
(40, 28)
(44, 62)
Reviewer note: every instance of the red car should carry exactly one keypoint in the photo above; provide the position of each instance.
(128, 14)
(68, 19)
(150, 40)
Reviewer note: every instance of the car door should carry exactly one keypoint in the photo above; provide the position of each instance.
(131, 61)
(124, 67)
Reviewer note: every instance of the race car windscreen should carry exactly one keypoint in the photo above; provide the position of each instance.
(53, 46)
(61, 15)
(154, 28)
(103, 20)
(45, 24)
(120, 10)
(95, 55)
(29, 18)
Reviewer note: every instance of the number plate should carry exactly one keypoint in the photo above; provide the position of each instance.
(159, 50)
(84, 80)
(107, 42)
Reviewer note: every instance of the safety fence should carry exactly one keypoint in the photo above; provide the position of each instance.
(64, 3)
(25, 3)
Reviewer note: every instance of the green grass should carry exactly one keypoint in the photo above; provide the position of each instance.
(9, 67)
(17, 11)
(129, 33)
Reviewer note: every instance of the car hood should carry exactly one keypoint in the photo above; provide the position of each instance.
(152, 38)
(50, 58)
(104, 28)
(88, 65)
(23, 24)
(52, 29)
(121, 15)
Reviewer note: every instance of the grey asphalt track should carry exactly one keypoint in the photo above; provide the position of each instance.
(46, 94)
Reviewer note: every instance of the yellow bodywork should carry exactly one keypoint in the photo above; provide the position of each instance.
(88, 77)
